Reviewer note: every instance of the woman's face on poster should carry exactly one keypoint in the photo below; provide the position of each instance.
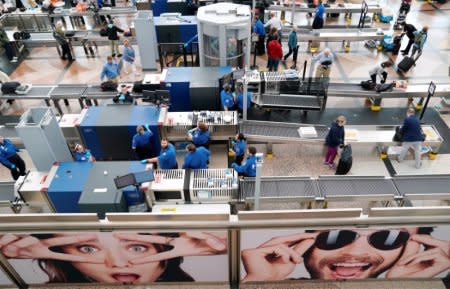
(115, 254)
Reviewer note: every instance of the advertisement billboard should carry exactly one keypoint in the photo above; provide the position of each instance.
(118, 257)
(345, 253)
(4, 280)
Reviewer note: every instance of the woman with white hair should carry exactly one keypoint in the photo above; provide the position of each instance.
(62, 40)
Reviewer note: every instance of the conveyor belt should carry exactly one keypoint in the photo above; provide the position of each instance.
(413, 90)
(424, 187)
(68, 91)
(290, 101)
(353, 186)
(36, 92)
(280, 187)
(95, 91)
(273, 131)
(349, 8)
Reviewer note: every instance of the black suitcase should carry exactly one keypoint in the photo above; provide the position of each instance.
(405, 64)
(345, 161)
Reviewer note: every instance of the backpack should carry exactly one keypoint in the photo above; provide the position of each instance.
(10, 87)
(108, 86)
(419, 37)
(25, 35)
(103, 32)
(368, 84)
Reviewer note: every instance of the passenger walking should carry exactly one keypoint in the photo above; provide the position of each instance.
(111, 30)
(420, 37)
(412, 137)
(275, 22)
(129, 58)
(275, 54)
(293, 47)
(334, 138)
(62, 40)
(409, 30)
(325, 59)
(318, 18)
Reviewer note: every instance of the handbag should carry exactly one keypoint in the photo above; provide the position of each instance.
(398, 137)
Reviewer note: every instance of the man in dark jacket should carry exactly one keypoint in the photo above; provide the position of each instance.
(10, 159)
(408, 29)
(412, 137)
(112, 30)
(62, 40)
(5, 43)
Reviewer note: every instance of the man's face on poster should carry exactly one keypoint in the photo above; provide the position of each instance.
(355, 254)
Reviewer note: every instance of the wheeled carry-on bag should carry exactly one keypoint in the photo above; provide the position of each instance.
(345, 161)
(405, 64)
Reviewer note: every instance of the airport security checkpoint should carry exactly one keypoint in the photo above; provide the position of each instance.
(224, 144)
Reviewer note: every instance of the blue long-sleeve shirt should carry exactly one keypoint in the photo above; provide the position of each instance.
(335, 136)
(227, 99)
(259, 28)
(292, 41)
(83, 156)
(128, 54)
(197, 160)
(248, 168)
(239, 147)
(200, 137)
(7, 150)
(320, 10)
(240, 100)
(323, 59)
(141, 140)
(411, 130)
(110, 70)
(167, 158)
(421, 43)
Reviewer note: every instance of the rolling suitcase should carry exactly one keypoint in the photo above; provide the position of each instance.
(345, 161)
(405, 64)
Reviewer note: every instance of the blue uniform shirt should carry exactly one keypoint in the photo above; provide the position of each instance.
(320, 10)
(141, 140)
(197, 159)
(167, 158)
(239, 147)
(7, 150)
(83, 157)
(200, 137)
(248, 168)
(259, 28)
(240, 100)
(227, 99)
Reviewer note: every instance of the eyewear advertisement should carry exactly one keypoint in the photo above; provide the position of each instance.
(118, 257)
(343, 254)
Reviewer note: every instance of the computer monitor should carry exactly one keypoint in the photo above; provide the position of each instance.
(145, 176)
(149, 96)
(125, 181)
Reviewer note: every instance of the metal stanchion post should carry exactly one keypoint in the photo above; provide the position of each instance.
(431, 90)
(244, 95)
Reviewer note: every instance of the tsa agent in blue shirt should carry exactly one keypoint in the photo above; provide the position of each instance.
(226, 98)
(167, 157)
(142, 142)
(239, 145)
(10, 159)
(82, 155)
(200, 135)
(196, 158)
(259, 30)
(240, 101)
(248, 169)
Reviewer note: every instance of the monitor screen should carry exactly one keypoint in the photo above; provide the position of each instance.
(125, 181)
(149, 95)
(167, 195)
(143, 177)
